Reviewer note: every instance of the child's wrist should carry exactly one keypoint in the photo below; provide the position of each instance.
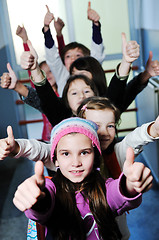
(124, 68)
(46, 27)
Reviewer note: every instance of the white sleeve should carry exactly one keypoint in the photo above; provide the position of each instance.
(136, 139)
(97, 51)
(57, 67)
(35, 150)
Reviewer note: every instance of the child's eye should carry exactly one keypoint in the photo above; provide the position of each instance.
(74, 93)
(79, 55)
(87, 91)
(111, 126)
(65, 154)
(84, 153)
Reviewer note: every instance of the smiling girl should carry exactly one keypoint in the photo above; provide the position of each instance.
(78, 203)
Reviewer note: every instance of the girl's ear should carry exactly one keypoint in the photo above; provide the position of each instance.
(56, 163)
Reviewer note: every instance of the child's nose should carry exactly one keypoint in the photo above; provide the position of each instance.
(76, 162)
(82, 95)
(103, 131)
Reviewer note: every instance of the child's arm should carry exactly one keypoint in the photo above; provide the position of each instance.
(117, 88)
(27, 93)
(141, 136)
(139, 82)
(59, 25)
(53, 58)
(138, 177)
(54, 109)
(97, 48)
(131, 52)
(28, 148)
(151, 70)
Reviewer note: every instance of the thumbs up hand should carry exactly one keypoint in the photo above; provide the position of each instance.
(9, 80)
(138, 177)
(92, 15)
(31, 190)
(152, 67)
(48, 18)
(7, 145)
(130, 49)
(29, 59)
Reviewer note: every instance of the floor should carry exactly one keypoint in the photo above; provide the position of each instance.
(142, 222)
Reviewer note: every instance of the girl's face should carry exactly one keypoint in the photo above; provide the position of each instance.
(49, 75)
(75, 156)
(77, 92)
(105, 120)
(75, 71)
(71, 55)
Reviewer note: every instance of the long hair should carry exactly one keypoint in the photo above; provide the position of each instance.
(91, 65)
(73, 78)
(66, 220)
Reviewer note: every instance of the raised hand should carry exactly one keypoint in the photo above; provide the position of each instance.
(48, 17)
(92, 15)
(21, 32)
(31, 190)
(153, 129)
(152, 67)
(138, 177)
(29, 59)
(130, 49)
(7, 145)
(59, 25)
(9, 80)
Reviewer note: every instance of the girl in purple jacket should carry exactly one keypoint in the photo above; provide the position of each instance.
(78, 203)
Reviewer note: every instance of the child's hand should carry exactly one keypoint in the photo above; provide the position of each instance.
(9, 80)
(29, 59)
(21, 32)
(152, 67)
(138, 177)
(48, 19)
(92, 15)
(59, 25)
(130, 50)
(7, 145)
(153, 129)
(31, 189)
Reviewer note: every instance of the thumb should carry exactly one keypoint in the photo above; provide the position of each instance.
(10, 135)
(10, 70)
(124, 41)
(150, 56)
(129, 156)
(129, 161)
(48, 10)
(39, 174)
(32, 50)
(89, 5)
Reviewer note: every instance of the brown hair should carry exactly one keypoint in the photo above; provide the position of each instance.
(98, 103)
(91, 65)
(66, 220)
(73, 78)
(73, 45)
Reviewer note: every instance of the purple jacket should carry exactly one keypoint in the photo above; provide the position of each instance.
(117, 202)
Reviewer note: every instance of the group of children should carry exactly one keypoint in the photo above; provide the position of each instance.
(94, 179)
